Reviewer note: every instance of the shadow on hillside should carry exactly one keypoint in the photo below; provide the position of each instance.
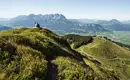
(52, 70)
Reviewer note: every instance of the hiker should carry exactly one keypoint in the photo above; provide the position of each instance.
(37, 25)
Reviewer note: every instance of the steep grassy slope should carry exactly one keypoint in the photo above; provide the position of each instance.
(111, 56)
(39, 54)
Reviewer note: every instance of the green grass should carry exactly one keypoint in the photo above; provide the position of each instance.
(39, 54)
(25, 63)
(71, 69)
(23, 53)
(111, 56)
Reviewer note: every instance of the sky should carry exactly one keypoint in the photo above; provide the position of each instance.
(72, 9)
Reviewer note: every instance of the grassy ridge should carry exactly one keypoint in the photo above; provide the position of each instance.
(40, 54)
(111, 56)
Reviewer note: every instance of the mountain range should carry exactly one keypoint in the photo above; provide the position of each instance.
(59, 23)
(4, 28)
(56, 22)
(114, 25)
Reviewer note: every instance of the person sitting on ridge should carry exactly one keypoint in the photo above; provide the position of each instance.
(37, 25)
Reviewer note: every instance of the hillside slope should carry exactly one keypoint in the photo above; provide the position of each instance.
(40, 54)
(111, 56)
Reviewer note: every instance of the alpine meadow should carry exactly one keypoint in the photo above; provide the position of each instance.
(64, 40)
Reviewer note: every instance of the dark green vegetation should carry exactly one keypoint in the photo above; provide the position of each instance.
(40, 54)
(78, 40)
